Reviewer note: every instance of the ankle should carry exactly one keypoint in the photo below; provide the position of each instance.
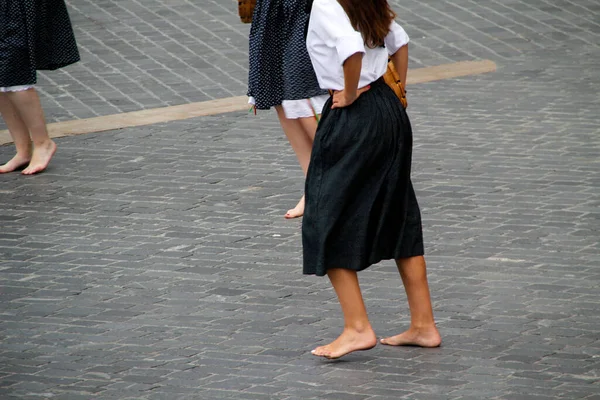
(423, 327)
(44, 143)
(359, 327)
(23, 154)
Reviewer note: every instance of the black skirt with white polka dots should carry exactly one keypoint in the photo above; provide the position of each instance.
(34, 35)
(280, 68)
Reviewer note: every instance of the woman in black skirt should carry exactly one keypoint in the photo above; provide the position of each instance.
(34, 35)
(360, 204)
(281, 75)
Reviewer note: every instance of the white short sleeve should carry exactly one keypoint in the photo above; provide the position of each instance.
(330, 22)
(396, 38)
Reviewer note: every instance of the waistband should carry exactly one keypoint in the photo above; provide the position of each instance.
(377, 82)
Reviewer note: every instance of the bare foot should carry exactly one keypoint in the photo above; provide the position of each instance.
(41, 157)
(297, 211)
(14, 164)
(427, 337)
(346, 343)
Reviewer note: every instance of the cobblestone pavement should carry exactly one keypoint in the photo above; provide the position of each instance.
(153, 53)
(154, 263)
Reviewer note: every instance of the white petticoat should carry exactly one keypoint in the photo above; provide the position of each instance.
(304, 108)
(15, 88)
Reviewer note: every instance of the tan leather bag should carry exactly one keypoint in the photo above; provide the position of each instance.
(246, 9)
(392, 79)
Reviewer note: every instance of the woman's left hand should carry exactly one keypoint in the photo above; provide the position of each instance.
(343, 98)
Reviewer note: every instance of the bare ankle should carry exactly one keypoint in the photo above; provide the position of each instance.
(360, 328)
(23, 155)
(24, 150)
(423, 326)
(45, 143)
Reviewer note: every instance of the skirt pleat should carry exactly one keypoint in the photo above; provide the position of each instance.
(360, 204)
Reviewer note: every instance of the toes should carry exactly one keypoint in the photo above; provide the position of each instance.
(316, 351)
(387, 341)
(321, 352)
(33, 169)
(390, 341)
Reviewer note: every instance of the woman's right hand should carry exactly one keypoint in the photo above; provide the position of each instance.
(344, 98)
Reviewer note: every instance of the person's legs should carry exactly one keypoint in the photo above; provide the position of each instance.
(358, 333)
(28, 106)
(300, 133)
(422, 331)
(310, 127)
(299, 140)
(19, 133)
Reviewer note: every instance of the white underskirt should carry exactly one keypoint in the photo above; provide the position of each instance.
(304, 108)
(15, 88)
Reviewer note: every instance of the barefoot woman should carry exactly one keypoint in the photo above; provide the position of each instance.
(281, 75)
(360, 204)
(34, 35)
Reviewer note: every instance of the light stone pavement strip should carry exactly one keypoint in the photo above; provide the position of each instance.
(229, 104)
(154, 262)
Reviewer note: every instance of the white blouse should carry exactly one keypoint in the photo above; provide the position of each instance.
(331, 40)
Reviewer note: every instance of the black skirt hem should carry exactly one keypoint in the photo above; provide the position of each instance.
(343, 264)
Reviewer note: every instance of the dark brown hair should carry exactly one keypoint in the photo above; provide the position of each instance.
(372, 18)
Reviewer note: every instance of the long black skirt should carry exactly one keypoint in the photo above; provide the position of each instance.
(34, 35)
(360, 204)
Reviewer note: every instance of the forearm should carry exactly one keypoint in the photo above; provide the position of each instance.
(400, 59)
(352, 69)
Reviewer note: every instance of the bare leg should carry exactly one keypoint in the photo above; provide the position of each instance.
(422, 331)
(27, 103)
(310, 128)
(358, 333)
(18, 132)
(300, 133)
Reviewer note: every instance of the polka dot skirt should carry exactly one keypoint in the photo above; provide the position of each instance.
(34, 35)
(280, 68)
